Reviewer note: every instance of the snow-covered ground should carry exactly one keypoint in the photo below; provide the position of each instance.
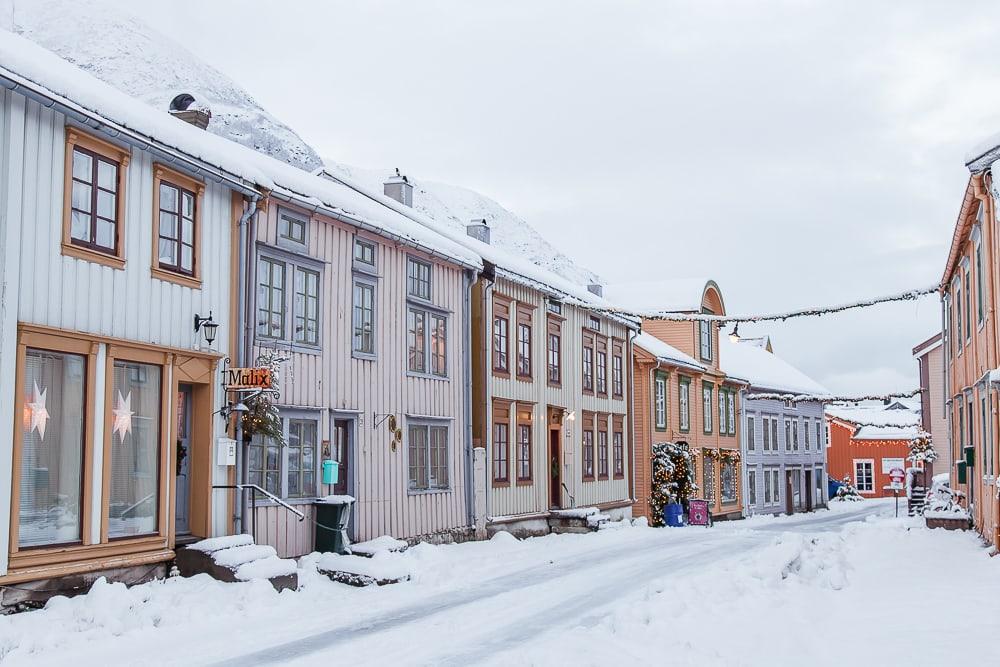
(852, 583)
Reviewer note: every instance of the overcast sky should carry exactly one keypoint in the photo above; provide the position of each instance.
(799, 153)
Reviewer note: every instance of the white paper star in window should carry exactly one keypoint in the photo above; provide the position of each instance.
(123, 416)
(38, 414)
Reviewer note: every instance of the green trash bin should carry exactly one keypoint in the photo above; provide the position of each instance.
(333, 513)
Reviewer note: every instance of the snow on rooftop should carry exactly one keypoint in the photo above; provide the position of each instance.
(664, 351)
(877, 423)
(32, 66)
(681, 295)
(765, 370)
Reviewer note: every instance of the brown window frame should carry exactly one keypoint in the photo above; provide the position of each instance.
(588, 429)
(97, 149)
(182, 183)
(601, 368)
(525, 358)
(500, 349)
(501, 418)
(553, 331)
(587, 378)
(603, 457)
(525, 424)
(617, 369)
(618, 446)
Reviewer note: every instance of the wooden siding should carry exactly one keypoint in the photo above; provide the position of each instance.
(529, 499)
(844, 449)
(283, 530)
(331, 379)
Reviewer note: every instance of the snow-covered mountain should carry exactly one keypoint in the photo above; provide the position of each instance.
(125, 52)
(130, 55)
(456, 206)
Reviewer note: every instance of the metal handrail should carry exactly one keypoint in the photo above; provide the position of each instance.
(572, 500)
(253, 488)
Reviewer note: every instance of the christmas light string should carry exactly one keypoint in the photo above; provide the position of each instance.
(830, 398)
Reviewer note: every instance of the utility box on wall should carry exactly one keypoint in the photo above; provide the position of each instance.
(225, 452)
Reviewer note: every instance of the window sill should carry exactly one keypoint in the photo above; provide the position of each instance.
(501, 484)
(167, 275)
(502, 374)
(602, 478)
(619, 477)
(426, 492)
(365, 270)
(364, 356)
(427, 376)
(525, 482)
(114, 261)
(284, 345)
(419, 302)
(554, 385)
(525, 378)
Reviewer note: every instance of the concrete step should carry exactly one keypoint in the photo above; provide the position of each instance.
(579, 520)
(236, 558)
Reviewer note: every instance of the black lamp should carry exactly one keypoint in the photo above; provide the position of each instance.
(208, 324)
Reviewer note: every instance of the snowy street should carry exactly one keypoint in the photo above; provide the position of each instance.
(642, 594)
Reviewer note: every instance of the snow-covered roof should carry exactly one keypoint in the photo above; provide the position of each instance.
(42, 73)
(765, 370)
(665, 352)
(681, 295)
(877, 423)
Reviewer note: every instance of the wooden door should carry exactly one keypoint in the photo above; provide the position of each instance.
(342, 454)
(809, 492)
(555, 468)
(183, 455)
(789, 498)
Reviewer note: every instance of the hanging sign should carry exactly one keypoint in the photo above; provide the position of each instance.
(246, 378)
(896, 476)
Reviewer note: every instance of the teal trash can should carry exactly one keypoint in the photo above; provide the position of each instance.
(333, 513)
(331, 471)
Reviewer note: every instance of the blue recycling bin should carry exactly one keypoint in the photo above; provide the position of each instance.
(331, 471)
(832, 487)
(673, 515)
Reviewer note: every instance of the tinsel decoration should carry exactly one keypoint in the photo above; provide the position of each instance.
(673, 477)
(263, 417)
(922, 449)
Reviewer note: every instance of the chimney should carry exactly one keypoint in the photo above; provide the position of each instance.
(399, 188)
(478, 229)
(596, 289)
(185, 107)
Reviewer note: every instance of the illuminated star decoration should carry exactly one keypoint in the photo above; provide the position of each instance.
(39, 415)
(123, 416)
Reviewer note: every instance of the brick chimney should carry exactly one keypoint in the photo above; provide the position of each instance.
(478, 229)
(399, 188)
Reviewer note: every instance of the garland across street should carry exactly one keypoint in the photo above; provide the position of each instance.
(829, 398)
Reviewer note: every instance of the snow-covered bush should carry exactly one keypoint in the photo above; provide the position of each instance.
(847, 491)
(922, 449)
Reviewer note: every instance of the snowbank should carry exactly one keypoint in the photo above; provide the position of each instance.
(379, 544)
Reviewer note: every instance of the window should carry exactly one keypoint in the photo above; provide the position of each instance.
(428, 457)
(660, 401)
(958, 314)
(752, 487)
(766, 433)
(728, 478)
(524, 444)
(706, 404)
(501, 336)
(364, 252)
(968, 306)
(987, 449)
(302, 441)
(595, 323)
(819, 435)
(774, 434)
(588, 363)
(795, 434)
(588, 447)
(751, 436)
(684, 402)
(731, 413)
(820, 484)
(364, 317)
(554, 307)
(776, 484)
(270, 298)
(768, 491)
(617, 370)
(501, 444)
(979, 282)
(133, 497)
(705, 336)
(708, 477)
(618, 448)
(602, 448)
(306, 307)
(524, 342)
(55, 424)
(439, 345)
(418, 279)
(421, 346)
(602, 368)
(291, 228)
(805, 434)
(265, 464)
(94, 199)
(788, 435)
(176, 210)
(722, 411)
(555, 352)
(864, 475)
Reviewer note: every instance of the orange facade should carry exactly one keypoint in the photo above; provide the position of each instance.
(866, 462)
(968, 288)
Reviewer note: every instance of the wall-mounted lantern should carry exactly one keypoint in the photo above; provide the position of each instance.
(207, 326)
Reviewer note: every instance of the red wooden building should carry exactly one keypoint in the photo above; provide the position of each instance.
(865, 443)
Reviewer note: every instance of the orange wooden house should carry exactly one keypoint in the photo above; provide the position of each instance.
(680, 395)
(866, 443)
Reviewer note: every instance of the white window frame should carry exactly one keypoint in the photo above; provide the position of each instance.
(751, 487)
(788, 434)
(751, 434)
(428, 425)
(776, 483)
(768, 487)
(684, 403)
(660, 401)
(857, 480)
(731, 412)
(707, 408)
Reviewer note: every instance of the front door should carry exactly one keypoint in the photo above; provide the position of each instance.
(555, 466)
(789, 499)
(182, 483)
(342, 454)
(809, 491)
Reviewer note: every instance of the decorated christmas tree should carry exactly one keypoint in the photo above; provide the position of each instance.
(922, 449)
(847, 491)
(673, 478)
(263, 417)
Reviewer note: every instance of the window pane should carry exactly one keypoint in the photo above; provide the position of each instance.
(439, 457)
(52, 448)
(168, 252)
(107, 175)
(81, 196)
(187, 258)
(80, 226)
(188, 205)
(168, 225)
(135, 448)
(168, 198)
(83, 166)
(417, 452)
(105, 234)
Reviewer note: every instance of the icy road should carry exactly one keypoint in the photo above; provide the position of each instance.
(686, 596)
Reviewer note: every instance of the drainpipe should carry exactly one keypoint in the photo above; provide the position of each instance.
(487, 328)
(246, 232)
(630, 403)
(469, 280)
